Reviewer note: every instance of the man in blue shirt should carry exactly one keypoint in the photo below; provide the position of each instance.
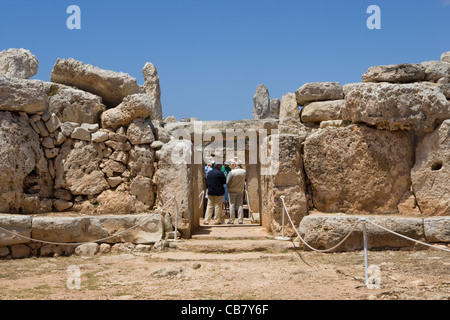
(214, 183)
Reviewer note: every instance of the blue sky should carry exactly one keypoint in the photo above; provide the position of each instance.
(211, 55)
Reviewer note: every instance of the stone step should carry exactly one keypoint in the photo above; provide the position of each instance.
(231, 246)
(247, 230)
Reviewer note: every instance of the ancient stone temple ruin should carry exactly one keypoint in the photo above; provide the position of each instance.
(90, 154)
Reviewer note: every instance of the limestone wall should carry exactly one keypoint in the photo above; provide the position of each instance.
(376, 147)
(84, 142)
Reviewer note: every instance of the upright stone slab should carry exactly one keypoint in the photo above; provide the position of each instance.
(21, 154)
(173, 178)
(153, 89)
(261, 103)
(286, 180)
(275, 105)
(290, 116)
(357, 169)
(431, 172)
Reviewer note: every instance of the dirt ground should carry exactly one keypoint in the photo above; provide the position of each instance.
(176, 275)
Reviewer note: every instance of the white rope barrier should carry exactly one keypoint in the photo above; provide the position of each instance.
(363, 221)
(405, 237)
(99, 240)
(354, 227)
(306, 244)
(248, 199)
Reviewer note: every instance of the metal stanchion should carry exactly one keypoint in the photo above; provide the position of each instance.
(175, 238)
(283, 237)
(366, 260)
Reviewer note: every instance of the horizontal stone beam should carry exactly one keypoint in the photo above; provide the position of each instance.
(187, 128)
(150, 229)
(18, 224)
(323, 231)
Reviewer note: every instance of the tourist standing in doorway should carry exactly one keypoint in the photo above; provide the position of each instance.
(207, 169)
(214, 183)
(226, 200)
(236, 188)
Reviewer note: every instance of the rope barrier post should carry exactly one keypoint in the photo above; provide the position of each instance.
(283, 237)
(175, 238)
(366, 260)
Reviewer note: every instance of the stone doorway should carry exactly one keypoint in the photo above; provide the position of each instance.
(252, 206)
(187, 181)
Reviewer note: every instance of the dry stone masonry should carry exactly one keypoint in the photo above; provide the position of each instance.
(88, 155)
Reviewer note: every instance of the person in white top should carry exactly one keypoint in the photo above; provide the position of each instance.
(236, 187)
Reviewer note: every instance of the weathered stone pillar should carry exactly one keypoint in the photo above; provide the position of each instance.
(174, 177)
(288, 181)
(261, 101)
(358, 169)
(152, 88)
